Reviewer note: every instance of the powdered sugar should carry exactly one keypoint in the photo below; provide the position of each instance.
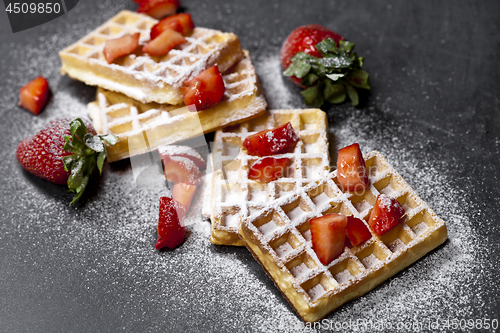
(104, 245)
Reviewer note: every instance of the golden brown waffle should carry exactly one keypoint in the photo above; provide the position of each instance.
(231, 196)
(280, 239)
(148, 126)
(140, 76)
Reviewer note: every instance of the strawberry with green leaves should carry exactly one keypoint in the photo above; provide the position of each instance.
(65, 152)
(323, 63)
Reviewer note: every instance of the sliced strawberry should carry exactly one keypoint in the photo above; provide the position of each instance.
(268, 169)
(182, 151)
(386, 213)
(304, 39)
(351, 169)
(279, 140)
(181, 23)
(184, 194)
(165, 42)
(119, 47)
(34, 95)
(181, 170)
(328, 233)
(171, 229)
(158, 8)
(357, 232)
(205, 90)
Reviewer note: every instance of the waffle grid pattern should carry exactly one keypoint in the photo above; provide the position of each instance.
(280, 238)
(117, 114)
(132, 74)
(233, 196)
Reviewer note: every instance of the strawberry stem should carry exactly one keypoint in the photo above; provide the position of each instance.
(86, 149)
(331, 78)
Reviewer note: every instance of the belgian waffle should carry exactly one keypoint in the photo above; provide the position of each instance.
(231, 197)
(148, 126)
(140, 76)
(280, 239)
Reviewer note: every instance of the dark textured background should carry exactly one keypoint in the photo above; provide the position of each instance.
(435, 85)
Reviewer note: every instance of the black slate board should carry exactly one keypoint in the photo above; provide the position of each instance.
(433, 111)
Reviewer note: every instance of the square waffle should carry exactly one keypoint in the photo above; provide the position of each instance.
(280, 239)
(140, 76)
(148, 126)
(231, 197)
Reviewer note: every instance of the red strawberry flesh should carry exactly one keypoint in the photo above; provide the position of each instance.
(179, 169)
(171, 229)
(184, 194)
(158, 8)
(163, 43)
(119, 47)
(351, 169)
(303, 39)
(268, 169)
(328, 234)
(34, 95)
(356, 230)
(182, 151)
(181, 23)
(279, 140)
(205, 90)
(386, 214)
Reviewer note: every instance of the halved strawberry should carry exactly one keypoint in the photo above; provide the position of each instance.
(351, 169)
(158, 8)
(181, 170)
(279, 140)
(171, 229)
(184, 194)
(165, 42)
(34, 95)
(356, 230)
(386, 213)
(181, 23)
(182, 151)
(268, 169)
(205, 90)
(328, 236)
(119, 47)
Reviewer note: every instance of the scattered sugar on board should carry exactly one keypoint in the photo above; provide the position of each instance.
(114, 232)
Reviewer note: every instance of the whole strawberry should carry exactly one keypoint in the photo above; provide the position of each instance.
(304, 39)
(324, 64)
(171, 229)
(64, 152)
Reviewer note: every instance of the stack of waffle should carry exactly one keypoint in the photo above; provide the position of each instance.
(139, 97)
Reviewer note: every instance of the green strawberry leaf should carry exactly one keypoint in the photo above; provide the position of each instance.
(358, 78)
(87, 150)
(313, 96)
(100, 160)
(309, 79)
(332, 77)
(353, 94)
(93, 142)
(334, 93)
(109, 138)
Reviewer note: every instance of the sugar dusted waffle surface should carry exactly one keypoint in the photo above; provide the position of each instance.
(143, 127)
(140, 76)
(280, 239)
(230, 196)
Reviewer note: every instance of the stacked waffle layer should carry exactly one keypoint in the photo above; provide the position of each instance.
(143, 127)
(143, 77)
(279, 238)
(231, 197)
